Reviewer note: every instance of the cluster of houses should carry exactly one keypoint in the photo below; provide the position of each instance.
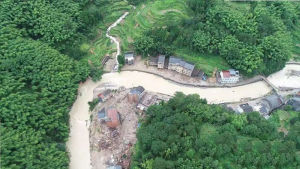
(173, 63)
(267, 104)
(176, 64)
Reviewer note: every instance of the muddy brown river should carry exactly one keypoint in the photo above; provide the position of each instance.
(78, 143)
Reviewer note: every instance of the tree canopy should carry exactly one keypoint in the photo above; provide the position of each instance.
(186, 132)
(253, 37)
(41, 66)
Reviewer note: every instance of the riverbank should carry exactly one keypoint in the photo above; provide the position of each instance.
(78, 144)
(140, 66)
(157, 84)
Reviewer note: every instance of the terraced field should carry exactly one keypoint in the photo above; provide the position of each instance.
(148, 15)
(101, 45)
(159, 13)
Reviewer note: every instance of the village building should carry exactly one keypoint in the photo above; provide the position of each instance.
(180, 66)
(295, 103)
(135, 94)
(161, 61)
(174, 63)
(110, 116)
(270, 103)
(153, 61)
(229, 76)
(129, 58)
(187, 69)
(246, 108)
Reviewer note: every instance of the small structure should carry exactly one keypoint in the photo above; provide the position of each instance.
(271, 103)
(153, 61)
(180, 66)
(246, 108)
(229, 76)
(111, 117)
(161, 61)
(295, 103)
(129, 58)
(174, 63)
(135, 94)
(187, 69)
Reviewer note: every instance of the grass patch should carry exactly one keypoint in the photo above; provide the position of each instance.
(205, 62)
(158, 13)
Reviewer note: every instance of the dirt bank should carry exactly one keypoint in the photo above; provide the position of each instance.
(288, 77)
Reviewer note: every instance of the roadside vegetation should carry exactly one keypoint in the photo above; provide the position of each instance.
(193, 134)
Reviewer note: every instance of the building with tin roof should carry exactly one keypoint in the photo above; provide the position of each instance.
(181, 66)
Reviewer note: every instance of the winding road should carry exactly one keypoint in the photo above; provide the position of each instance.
(78, 143)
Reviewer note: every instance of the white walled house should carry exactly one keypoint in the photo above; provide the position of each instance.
(229, 76)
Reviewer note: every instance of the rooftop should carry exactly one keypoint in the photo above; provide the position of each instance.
(137, 90)
(174, 60)
(129, 55)
(186, 65)
(274, 101)
(246, 108)
(225, 74)
(189, 66)
(113, 118)
(161, 58)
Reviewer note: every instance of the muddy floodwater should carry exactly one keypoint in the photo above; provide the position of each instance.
(288, 77)
(213, 95)
(78, 144)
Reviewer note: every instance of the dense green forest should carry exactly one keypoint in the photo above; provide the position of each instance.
(253, 37)
(41, 66)
(44, 54)
(188, 133)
